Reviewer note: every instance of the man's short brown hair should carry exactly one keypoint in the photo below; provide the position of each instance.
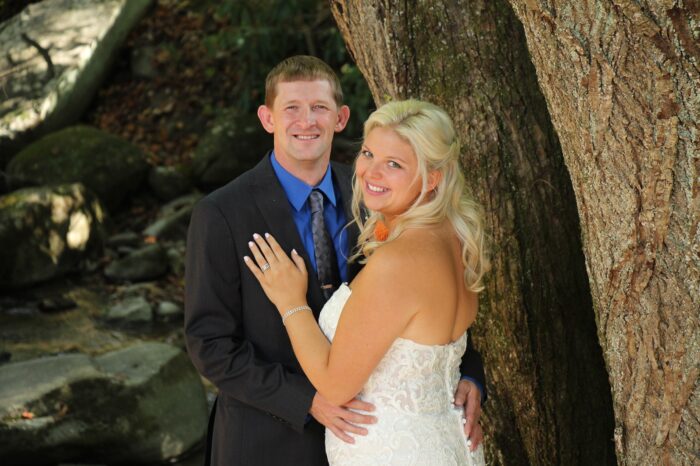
(301, 68)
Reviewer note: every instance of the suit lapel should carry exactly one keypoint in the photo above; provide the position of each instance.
(276, 210)
(343, 176)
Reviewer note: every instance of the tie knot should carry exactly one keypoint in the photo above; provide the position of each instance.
(316, 201)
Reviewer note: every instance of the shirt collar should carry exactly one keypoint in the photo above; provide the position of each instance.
(298, 191)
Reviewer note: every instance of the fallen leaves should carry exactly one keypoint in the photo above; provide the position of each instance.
(165, 114)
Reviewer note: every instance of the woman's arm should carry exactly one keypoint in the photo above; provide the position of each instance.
(380, 307)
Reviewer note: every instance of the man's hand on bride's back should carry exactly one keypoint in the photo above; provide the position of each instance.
(342, 420)
(469, 396)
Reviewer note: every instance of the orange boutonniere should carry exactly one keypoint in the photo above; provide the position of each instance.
(381, 232)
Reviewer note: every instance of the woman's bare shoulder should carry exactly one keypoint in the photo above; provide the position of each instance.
(407, 259)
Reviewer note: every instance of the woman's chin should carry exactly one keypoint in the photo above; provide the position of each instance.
(373, 206)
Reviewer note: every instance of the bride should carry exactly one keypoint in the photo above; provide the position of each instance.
(394, 336)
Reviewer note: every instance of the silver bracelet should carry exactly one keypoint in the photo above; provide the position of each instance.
(293, 311)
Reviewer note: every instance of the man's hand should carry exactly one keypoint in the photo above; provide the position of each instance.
(339, 419)
(469, 396)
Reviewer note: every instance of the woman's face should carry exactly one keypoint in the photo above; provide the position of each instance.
(387, 170)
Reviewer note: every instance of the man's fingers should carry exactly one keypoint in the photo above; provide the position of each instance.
(473, 407)
(476, 437)
(461, 393)
(357, 418)
(349, 427)
(469, 426)
(341, 435)
(360, 405)
(472, 411)
(348, 412)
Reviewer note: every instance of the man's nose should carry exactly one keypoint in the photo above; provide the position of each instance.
(307, 117)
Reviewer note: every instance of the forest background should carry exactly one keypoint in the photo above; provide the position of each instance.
(579, 122)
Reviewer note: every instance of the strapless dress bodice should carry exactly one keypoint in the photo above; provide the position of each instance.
(412, 389)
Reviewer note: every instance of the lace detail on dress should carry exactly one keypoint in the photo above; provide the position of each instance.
(412, 389)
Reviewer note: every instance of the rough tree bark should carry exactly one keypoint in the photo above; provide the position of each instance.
(549, 396)
(622, 83)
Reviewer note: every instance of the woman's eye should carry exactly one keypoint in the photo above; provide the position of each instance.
(365, 153)
(393, 164)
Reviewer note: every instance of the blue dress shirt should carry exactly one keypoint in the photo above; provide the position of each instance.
(297, 193)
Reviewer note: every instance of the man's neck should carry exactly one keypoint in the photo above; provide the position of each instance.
(311, 172)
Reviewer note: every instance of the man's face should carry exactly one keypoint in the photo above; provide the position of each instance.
(303, 119)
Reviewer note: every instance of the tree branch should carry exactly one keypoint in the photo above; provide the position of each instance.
(51, 72)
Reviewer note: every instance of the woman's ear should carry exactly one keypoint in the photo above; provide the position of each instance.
(434, 178)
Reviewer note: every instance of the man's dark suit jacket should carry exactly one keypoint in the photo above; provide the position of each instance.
(235, 336)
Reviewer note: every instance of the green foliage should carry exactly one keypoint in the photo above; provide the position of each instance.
(258, 34)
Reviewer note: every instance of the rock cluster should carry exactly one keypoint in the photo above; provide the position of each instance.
(47, 232)
(82, 290)
(144, 403)
(111, 167)
(57, 70)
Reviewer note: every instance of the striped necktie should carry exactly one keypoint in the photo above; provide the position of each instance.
(326, 260)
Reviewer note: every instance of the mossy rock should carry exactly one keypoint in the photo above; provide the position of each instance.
(108, 165)
(144, 404)
(47, 232)
(167, 183)
(234, 143)
(83, 38)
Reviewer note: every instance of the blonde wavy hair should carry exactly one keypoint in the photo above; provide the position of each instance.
(431, 134)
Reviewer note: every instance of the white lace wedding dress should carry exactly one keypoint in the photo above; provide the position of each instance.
(412, 389)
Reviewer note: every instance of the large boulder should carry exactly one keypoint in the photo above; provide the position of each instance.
(46, 232)
(173, 218)
(167, 183)
(59, 51)
(131, 310)
(142, 404)
(110, 166)
(147, 263)
(234, 143)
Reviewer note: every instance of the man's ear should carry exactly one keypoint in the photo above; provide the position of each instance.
(265, 116)
(343, 117)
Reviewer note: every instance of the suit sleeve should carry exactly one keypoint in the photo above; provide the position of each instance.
(472, 366)
(214, 332)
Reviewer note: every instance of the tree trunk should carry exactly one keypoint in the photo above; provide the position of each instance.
(621, 79)
(549, 396)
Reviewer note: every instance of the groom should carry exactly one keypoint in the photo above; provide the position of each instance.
(267, 412)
